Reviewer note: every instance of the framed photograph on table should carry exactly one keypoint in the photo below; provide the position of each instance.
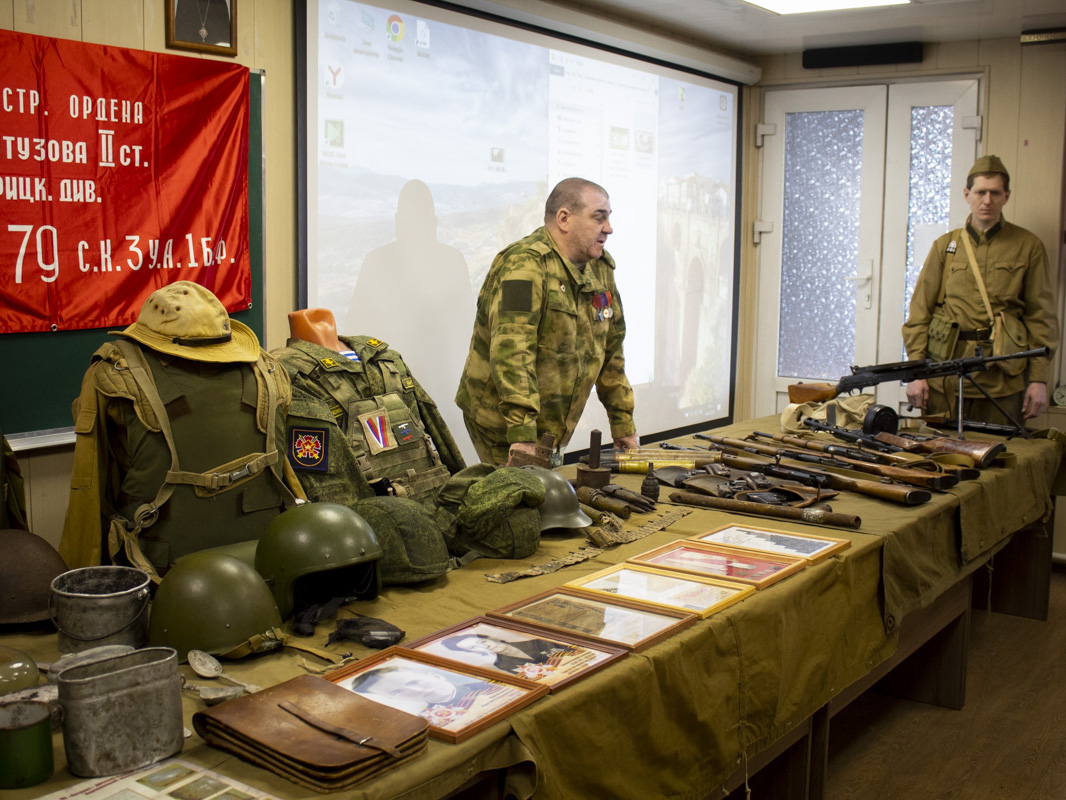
(733, 564)
(612, 621)
(801, 545)
(457, 699)
(202, 26)
(536, 654)
(663, 588)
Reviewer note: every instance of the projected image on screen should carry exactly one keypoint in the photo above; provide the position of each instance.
(434, 139)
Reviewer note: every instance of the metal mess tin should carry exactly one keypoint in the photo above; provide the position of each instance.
(121, 713)
(95, 606)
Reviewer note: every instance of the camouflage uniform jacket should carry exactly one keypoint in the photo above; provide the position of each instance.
(354, 421)
(1013, 266)
(545, 333)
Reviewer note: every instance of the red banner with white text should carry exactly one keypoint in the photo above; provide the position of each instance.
(120, 171)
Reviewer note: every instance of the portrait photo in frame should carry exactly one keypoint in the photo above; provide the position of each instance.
(537, 654)
(458, 700)
(663, 588)
(787, 543)
(608, 620)
(733, 564)
(202, 26)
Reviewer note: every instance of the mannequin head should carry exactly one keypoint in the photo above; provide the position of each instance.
(315, 325)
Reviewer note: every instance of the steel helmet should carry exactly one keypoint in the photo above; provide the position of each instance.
(315, 552)
(27, 570)
(216, 603)
(412, 544)
(560, 508)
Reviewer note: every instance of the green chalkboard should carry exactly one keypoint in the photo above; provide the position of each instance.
(42, 372)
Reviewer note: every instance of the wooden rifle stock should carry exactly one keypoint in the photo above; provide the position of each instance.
(811, 392)
(812, 515)
(982, 453)
(895, 493)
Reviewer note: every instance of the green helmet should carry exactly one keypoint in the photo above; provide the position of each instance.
(17, 670)
(216, 603)
(412, 544)
(560, 508)
(315, 552)
(27, 570)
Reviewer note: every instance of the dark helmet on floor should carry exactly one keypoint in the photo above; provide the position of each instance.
(27, 569)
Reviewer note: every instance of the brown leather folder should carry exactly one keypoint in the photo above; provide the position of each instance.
(314, 733)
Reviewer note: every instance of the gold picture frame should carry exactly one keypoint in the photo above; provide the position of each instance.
(608, 620)
(808, 546)
(202, 26)
(537, 654)
(663, 588)
(732, 564)
(419, 682)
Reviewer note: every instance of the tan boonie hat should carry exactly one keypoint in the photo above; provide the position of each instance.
(186, 320)
(986, 165)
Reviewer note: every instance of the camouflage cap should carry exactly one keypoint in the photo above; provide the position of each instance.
(185, 319)
(988, 165)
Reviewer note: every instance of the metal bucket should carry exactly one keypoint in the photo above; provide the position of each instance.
(95, 606)
(121, 713)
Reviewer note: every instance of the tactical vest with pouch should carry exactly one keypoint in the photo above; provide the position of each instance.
(196, 446)
(363, 426)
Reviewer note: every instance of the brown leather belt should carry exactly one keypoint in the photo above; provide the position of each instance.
(979, 335)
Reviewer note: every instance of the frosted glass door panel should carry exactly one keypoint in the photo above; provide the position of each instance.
(820, 248)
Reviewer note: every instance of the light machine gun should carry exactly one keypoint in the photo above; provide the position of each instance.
(907, 371)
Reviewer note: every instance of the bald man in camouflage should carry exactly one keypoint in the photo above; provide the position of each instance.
(1013, 266)
(549, 327)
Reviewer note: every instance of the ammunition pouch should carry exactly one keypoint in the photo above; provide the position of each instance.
(943, 336)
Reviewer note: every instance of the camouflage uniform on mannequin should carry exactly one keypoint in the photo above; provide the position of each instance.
(359, 417)
(179, 427)
(549, 327)
(1012, 264)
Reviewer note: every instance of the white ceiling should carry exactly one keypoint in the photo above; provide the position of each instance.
(736, 28)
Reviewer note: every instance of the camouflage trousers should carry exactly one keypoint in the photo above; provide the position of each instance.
(492, 448)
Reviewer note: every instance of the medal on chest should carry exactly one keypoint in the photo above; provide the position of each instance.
(602, 303)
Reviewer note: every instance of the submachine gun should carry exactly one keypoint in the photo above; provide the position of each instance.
(907, 371)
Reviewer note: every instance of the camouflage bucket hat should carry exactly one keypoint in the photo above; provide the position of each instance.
(412, 544)
(185, 319)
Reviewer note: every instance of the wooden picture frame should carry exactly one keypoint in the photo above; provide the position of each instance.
(664, 588)
(480, 699)
(733, 564)
(769, 540)
(632, 626)
(543, 656)
(202, 26)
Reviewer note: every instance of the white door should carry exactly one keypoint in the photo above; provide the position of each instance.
(856, 183)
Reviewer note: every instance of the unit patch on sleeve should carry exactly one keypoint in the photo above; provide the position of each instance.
(309, 449)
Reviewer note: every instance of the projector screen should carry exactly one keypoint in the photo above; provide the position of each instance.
(433, 138)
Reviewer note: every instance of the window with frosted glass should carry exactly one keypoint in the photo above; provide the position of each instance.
(820, 243)
(929, 199)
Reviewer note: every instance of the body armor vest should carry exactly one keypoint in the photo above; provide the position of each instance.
(360, 427)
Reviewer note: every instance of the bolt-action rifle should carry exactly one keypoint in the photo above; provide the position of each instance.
(905, 371)
(981, 453)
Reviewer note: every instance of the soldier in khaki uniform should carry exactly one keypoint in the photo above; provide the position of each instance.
(549, 327)
(1013, 267)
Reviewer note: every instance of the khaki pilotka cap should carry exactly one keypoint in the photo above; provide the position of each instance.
(986, 165)
(185, 319)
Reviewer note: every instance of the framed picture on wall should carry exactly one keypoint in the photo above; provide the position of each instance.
(202, 26)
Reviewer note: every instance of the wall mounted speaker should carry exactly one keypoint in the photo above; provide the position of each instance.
(863, 55)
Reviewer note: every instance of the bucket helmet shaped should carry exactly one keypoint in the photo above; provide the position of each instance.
(314, 552)
(412, 544)
(560, 508)
(216, 603)
(27, 570)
